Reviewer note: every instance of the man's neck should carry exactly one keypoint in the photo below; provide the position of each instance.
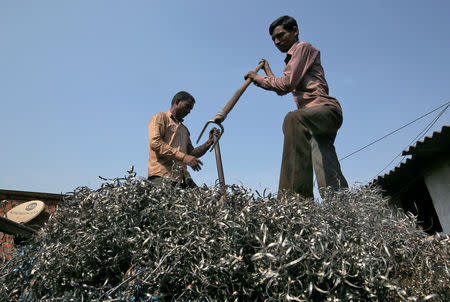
(174, 115)
(288, 55)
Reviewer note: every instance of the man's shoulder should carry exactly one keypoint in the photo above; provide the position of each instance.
(159, 116)
(304, 45)
(303, 49)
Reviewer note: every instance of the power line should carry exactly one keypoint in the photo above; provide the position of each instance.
(428, 127)
(447, 104)
(370, 144)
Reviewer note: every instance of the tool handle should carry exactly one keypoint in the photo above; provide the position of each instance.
(219, 162)
(222, 115)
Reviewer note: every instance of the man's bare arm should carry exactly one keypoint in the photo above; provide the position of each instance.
(202, 149)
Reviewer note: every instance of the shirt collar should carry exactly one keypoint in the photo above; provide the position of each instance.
(290, 52)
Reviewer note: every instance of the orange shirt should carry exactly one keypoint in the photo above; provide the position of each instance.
(303, 76)
(169, 142)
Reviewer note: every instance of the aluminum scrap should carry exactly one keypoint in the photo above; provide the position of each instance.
(132, 241)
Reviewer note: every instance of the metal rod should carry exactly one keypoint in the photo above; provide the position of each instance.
(219, 162)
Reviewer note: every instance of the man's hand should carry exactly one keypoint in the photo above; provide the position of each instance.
(192, 161)
(212, 133)
(266, 68)
(250, 75)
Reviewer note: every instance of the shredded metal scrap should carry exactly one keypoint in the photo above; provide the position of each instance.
(132, 241)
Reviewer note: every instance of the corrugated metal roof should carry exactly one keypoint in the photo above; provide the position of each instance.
(438, 142)
(430, 148)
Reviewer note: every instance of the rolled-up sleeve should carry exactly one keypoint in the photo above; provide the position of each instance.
(156, 143)
(301, 60)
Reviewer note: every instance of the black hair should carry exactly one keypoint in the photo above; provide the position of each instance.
(287, 21)
(183, 96)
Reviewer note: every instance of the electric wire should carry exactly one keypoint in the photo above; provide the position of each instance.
(446, 105)
(428, 127)
(415, 139)
(392, 132)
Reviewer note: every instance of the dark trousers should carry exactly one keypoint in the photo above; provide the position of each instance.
(309, 135)
(188, 183)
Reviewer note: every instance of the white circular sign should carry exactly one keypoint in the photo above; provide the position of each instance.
(26, 211)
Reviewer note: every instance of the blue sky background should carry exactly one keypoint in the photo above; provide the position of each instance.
(79, 81)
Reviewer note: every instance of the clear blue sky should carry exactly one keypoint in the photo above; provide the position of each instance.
(79, 81)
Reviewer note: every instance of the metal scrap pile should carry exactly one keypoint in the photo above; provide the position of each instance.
(131, 241)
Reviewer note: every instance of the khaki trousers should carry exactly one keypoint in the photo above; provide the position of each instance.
(309, 135)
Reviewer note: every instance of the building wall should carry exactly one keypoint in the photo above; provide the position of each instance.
(438, 183)
(10, 199)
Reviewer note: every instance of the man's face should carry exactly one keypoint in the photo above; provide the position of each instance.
(184, 107)
(284, 39)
